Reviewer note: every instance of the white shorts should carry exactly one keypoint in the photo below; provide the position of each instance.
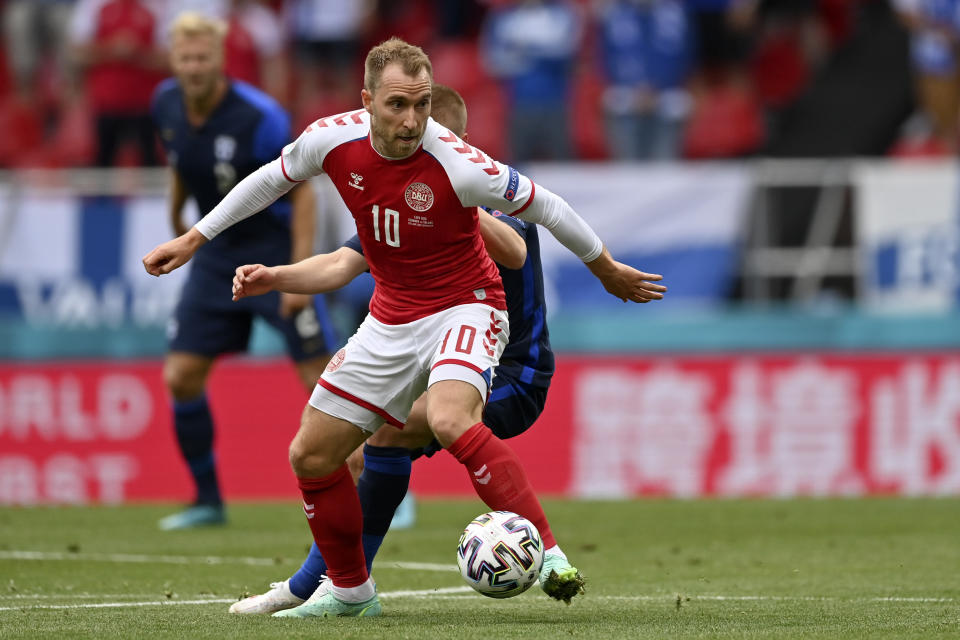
(384, 368)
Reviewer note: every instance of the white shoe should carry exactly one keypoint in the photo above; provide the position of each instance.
(277, 599)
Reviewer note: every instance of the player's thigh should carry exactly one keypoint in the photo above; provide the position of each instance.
(415, 433)
(185, 374)
(469, 340)
(513, 407)
(374, 379)
(453, 406)
(308, 334)
(322, 443)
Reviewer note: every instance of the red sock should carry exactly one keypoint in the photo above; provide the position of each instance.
(499, 478)
(333, 513)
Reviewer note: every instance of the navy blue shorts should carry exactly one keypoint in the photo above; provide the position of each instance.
(207, 322)
(511, 409)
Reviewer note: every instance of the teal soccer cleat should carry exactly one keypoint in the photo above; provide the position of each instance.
(559, 579)
(327, 606)
(199, 515)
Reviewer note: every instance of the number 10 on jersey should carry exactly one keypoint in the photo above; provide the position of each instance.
(391, 226)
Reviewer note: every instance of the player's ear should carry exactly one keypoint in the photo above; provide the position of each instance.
(367, 99)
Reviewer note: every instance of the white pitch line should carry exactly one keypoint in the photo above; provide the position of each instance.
(114, 605)
(133, 557)
(143, 558)
(418, 566)
(421, 593)
(718, 598)
(70, 596)
(426, 593)
(458, 593)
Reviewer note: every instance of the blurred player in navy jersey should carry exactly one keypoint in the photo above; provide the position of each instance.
(216, 131)
(517, 396)
(438, 315)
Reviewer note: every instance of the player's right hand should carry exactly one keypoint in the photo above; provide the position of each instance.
(252, 280)
(174, 253)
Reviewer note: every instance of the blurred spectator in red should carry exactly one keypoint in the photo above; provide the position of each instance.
(254, 47)
(647, 53)
(531, 46)
(116, 44)
(935, 42)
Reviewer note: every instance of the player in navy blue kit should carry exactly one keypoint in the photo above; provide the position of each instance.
(517, 396)
(215, 132)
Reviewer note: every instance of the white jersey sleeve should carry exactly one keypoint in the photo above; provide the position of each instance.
(250, 195)
(479, 180)
(299, 161)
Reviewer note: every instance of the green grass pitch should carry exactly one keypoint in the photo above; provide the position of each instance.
(849, 568)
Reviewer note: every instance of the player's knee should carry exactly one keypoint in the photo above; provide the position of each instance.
(309, 462)
(392, 437)
(447, 427)
(183, 384)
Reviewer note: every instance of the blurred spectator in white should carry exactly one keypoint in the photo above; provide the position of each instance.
(531, 46)
(647, 56)
(35, 32)
(935, 40)
(255, 46)
(117, 45)
(327, 38)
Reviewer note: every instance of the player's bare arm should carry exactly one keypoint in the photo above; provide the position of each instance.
(302, 226)
(178, 198)
(321, 273)
(252, 194)
(625, 282)
(504, 245)
(173, 253)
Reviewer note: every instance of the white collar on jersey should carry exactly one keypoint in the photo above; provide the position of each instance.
(419, 144)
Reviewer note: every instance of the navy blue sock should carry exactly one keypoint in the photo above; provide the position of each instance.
(194, 427)
(304, 582)
(382, 486)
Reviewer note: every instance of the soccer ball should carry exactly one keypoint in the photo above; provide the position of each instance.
(500, 554)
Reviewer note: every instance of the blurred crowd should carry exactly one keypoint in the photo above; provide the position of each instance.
(543, 79)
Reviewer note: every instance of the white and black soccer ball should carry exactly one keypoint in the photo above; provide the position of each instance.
(500, 554)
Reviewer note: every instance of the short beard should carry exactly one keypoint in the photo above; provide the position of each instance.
(386, 137)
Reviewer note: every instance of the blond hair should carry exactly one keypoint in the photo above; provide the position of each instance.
(448, 108)
(190, 24)
(410, 57)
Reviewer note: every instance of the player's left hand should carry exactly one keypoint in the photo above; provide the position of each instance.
(625, 282)
(633, 285)
(293, 303)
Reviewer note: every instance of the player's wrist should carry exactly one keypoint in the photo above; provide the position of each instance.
(194, 237)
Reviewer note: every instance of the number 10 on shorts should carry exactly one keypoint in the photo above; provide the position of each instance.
(464, 341)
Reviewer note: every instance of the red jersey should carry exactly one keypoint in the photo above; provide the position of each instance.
(416, 217)
(119, 86)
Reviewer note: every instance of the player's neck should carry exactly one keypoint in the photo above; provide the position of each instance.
(199, 109)
(381, 149)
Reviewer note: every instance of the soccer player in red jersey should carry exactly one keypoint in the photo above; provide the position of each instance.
(437, 317)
